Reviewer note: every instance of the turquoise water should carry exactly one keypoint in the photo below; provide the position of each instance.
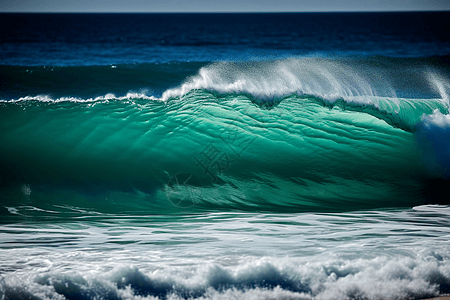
(298, 156)
(241, 137)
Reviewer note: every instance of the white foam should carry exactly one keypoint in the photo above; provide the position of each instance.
(104, 98)
(436, 119)
(327, 79)
(12, 210)
(321, 278)
(435, 208)
(433, 137)
(440, 84)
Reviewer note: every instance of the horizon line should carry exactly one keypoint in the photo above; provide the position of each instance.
(219, 12)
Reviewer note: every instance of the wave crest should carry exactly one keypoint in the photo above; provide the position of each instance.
(352, 80)
(104, 98)
(322, 78)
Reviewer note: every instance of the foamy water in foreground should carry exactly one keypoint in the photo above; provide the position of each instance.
(395, 254)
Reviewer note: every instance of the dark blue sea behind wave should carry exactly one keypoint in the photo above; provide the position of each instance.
(225, 156)
(105, 39)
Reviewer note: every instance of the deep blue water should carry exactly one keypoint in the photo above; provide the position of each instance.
(225, 156)
(105, 39)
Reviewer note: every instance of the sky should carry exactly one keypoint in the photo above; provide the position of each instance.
(219, 5)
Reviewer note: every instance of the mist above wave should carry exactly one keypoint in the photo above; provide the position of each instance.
(353, 80)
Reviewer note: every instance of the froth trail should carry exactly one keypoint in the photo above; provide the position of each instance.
(417, 277)
(98, 99)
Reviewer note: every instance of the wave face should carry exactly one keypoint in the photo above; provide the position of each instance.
(295, 134)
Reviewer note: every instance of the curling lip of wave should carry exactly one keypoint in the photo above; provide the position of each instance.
(352, 81)
(357, 82)
(330, 80)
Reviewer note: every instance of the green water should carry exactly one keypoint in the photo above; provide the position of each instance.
(297, 153)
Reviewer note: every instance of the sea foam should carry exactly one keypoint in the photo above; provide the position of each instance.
(425, 274)
(103, 98)
(322, 78)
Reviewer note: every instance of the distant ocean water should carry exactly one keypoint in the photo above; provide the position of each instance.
(225, 156)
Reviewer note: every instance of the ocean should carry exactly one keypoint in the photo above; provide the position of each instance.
(225, 156)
